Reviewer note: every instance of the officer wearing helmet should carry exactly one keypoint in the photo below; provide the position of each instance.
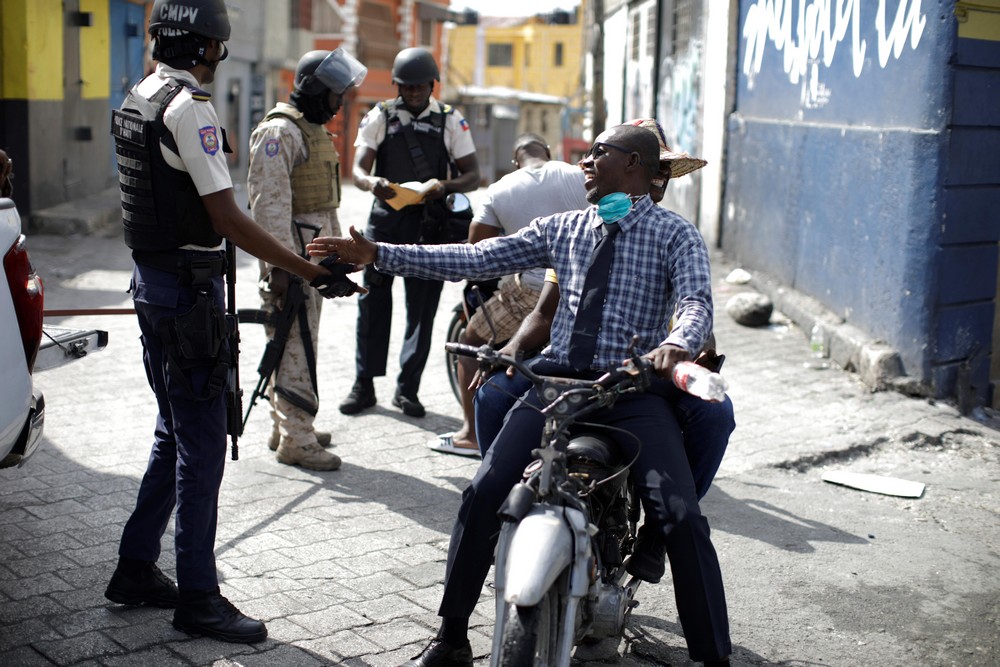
(177, 209)
(294, 186)
(413, 137)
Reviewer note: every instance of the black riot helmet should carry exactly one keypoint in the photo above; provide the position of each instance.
(414, 66)
(182, 29)
(207, 18)
(320, 71)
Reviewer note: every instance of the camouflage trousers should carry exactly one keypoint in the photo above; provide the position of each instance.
(292, 374)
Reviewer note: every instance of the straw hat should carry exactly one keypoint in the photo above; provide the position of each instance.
(680, 163)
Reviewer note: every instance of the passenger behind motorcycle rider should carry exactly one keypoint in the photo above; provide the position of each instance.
(178, 206)
(293, 183)
(666, 255)
(413, 137)
(539, 186)
(706, 426)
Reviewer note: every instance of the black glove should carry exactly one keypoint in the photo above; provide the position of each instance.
(335, 283)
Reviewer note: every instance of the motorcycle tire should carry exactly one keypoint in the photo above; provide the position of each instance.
(455, 329)
(531, 635)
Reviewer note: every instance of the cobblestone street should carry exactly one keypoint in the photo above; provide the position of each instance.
(346, 567)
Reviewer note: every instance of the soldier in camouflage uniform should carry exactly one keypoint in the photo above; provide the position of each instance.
(294, 187)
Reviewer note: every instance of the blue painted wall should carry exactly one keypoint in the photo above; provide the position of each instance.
(844, 170)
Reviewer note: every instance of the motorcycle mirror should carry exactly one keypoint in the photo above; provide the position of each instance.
(457, 202)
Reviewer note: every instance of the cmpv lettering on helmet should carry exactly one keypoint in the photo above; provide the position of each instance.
(179, 13)
(209, 140)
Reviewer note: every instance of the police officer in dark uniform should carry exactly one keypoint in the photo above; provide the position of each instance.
(413, 137)
(177, 206)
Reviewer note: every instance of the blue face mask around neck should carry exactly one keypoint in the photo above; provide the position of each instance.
(613, 207)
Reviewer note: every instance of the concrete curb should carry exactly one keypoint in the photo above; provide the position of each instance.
(877, 364)
(98, 213)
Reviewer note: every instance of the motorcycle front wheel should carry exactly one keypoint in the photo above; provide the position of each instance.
(455, 329)
(531, 635)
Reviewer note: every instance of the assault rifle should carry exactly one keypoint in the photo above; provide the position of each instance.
(234, 393)
(282, 320)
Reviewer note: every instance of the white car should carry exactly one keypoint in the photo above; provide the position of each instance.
(22, 406)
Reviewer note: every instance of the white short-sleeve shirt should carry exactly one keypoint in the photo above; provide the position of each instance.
(457, 137)
(195, 128)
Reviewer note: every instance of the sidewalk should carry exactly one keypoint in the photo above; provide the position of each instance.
(346, 567)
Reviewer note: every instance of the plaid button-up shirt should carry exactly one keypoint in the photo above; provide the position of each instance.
(660, 265)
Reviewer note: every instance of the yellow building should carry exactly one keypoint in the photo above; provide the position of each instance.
(541, 54)
(515, 75)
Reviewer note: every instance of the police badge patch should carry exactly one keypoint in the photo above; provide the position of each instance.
(209, 140)
(271, 147)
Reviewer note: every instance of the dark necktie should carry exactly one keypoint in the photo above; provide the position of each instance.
(583, 342)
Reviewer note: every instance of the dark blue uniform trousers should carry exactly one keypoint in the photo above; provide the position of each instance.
(665, 486)
(374, 327)
(375, 308)
(189, 447)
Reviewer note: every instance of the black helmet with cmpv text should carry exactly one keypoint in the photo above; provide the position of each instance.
(173, 18)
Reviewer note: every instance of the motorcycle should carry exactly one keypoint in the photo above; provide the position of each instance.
(569, 526)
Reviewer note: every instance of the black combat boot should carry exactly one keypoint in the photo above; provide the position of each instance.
(141, 582)
(362, 397)
(209, 614)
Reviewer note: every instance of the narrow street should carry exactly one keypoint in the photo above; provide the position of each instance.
(346, 567)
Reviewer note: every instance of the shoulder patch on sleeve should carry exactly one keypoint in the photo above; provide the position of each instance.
(464, 124)
(209, 139)
(271, 147)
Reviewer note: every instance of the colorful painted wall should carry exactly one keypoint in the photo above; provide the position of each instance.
(862, 170)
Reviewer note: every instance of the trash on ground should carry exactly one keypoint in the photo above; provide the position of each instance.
(889, 486)
(738, 277)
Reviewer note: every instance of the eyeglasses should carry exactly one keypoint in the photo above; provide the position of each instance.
(600, 149)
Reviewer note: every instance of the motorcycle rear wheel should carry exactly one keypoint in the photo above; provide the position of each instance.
(531, 635)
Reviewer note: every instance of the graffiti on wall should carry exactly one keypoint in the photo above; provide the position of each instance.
(679, 95)
(810, 41)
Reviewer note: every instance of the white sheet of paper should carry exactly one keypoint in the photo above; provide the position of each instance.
(889, 486)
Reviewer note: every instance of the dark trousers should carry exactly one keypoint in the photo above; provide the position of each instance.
(665, 486)
(706, 426)
(374, 327)
(189, 446)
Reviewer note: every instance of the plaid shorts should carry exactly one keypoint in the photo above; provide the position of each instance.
(507, 309)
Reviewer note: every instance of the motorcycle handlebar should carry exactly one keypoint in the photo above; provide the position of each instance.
(636, 369)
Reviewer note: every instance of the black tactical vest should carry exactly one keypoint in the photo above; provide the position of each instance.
(393, 160)
(161, 207)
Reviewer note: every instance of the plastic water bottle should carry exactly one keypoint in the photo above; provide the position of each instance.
(701, 382)
(817, 342)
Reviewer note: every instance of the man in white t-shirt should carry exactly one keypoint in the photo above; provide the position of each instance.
(540, 186)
